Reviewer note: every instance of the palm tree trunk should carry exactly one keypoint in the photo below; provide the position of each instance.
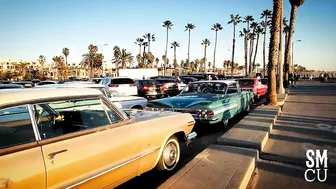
(91, 69)
(143, 56)
(214, 59)
(205, 60)
(256, 50)
(175, 53)
(273, 51)
(289, 42)
(140, 49)
(245, 56)
(149, 45)
(166, 43)
(264, 48)
(250, 56)
(248, 31)
(189, 48)
(233, 47)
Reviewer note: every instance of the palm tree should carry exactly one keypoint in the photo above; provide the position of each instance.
(235, 19)
(244, 34)
(188, 28)
(66, 52)
(150, 38)
(295, 4)
(90, 58)
(251, 37)
(168, 25)
(42, 61)
(209, 65)
(266, 14)
(157, 60)
(139, 41)
(59, 63)
(285, 29)
(144, 44)
(206, 43)
(216, 27)
(174, 46)
(257, 30)
(121, 57)
(273, 51)
(248, 19)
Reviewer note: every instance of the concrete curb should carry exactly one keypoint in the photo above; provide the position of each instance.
(217, 166)
(249, 133)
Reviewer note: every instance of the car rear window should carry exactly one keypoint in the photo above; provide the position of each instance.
(149, 82)
(122, 81)
(166, 81)
(246, 82)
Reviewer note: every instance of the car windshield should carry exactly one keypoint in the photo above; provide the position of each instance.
(166, 81)
(205, 87)
(149, 82)
(246, 82)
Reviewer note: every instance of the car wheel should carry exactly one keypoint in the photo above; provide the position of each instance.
(225, 122)
(170, 155)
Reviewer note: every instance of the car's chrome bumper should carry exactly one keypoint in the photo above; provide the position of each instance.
(212, 118)
(189, 137)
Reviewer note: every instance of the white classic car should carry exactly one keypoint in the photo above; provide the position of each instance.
(123, 102)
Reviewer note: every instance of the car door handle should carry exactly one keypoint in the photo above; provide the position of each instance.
(53, 154)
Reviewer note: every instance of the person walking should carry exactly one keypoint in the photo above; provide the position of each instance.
(325, 77)
(291, 78)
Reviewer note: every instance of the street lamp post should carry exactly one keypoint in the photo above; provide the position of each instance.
(101, 50)
(293, 51)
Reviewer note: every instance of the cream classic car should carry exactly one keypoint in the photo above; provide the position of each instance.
(68, 138)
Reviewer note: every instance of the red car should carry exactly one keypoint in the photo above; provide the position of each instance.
(254, 85)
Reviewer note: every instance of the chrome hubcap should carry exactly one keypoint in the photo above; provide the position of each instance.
(225, 122)
(170, 154)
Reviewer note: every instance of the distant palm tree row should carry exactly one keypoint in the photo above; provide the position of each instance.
(251, 35)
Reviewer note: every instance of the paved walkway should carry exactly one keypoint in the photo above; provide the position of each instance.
(307, 121)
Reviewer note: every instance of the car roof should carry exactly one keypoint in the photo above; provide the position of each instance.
(73, 85)
(10, 86)
(117, 77)
(12, 97)
(228, 82)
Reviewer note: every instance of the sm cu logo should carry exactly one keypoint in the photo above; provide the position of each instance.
(317, 165)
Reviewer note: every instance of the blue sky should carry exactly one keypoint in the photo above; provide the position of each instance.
(29, 28)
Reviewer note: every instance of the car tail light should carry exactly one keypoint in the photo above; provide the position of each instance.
(205, 112)
(210, 113)
(163, 86)
(113, 85)
(145, 88)
(133, 85)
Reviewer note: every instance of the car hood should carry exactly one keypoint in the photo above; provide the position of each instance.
(186, 101)
(148, 114)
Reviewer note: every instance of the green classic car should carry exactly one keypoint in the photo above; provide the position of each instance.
(208, 101)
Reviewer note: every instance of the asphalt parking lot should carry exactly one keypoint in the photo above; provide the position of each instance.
(206, 137)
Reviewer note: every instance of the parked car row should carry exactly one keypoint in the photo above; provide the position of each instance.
(87, 135)
(66, 137)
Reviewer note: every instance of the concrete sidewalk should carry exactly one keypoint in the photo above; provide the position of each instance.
(231, 162)
(307, 121)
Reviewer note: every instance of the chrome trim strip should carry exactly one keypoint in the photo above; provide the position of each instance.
(113, 168)
(33, 121)
(104, 107)
(191, 135)
(196, 117)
